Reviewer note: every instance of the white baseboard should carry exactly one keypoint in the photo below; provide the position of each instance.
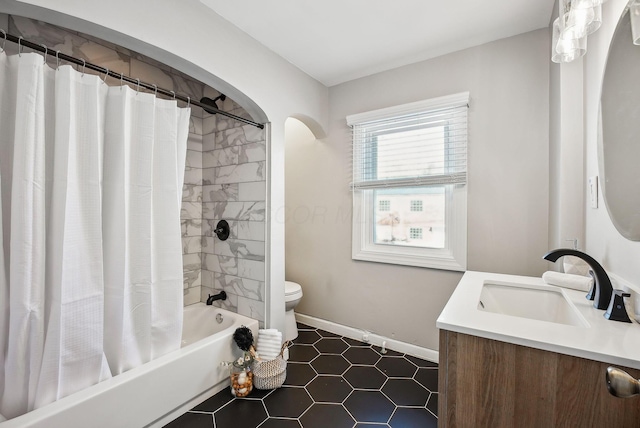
(374, 339)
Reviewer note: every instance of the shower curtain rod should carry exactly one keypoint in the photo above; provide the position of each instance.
(59, 55)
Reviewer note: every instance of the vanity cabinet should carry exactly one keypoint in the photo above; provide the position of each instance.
(489, 383)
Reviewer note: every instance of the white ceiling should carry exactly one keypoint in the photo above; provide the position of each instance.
(339, 40)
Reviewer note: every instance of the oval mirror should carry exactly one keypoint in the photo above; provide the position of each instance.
(619, 136)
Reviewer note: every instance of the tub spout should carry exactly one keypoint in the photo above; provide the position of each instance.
(220, 296)
(601, 284)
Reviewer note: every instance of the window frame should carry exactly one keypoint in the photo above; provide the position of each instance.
(454, 255)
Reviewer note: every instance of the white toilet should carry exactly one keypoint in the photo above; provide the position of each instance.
(292, 296)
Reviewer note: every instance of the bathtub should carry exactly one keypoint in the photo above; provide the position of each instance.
(159, 391)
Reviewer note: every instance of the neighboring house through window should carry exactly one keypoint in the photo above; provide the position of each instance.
(409, 184)
(415, 233)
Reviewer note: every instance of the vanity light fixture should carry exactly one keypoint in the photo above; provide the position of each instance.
(576, 20)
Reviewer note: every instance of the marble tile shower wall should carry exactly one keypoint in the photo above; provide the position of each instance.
(234, 189)
(224, 174)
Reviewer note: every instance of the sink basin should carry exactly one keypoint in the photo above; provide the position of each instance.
(537, 302)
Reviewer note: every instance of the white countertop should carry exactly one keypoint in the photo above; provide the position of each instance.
(603, 340)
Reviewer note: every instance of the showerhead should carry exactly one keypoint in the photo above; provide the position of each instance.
(212, 102)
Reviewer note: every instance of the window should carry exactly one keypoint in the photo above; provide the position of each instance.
(409, 184)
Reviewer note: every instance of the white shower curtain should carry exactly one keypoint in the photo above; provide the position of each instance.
(90, 254)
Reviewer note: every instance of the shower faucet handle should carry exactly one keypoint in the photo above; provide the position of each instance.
(222, 230)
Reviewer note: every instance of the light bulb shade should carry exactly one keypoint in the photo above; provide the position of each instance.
(634, 16)
(586, 4)
(566, 50)
(574, 22)
(596, 22)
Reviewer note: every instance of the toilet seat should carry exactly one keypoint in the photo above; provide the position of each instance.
(292, 290)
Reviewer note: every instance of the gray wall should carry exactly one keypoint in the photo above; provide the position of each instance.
(508, 197)
(566, 153)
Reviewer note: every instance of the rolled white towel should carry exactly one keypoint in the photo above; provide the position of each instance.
(567, 280)
(267, 357)
(269, 344)
(273, 339)
(277, 335)
(263, 346)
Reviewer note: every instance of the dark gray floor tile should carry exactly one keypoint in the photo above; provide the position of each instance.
(428, 378)
(299, 374)
(307, 337)
(214, 403)
(406, 392)
(241, 413)
(396, 367)
(329, 389)
(330, 364)
(408, 417)
(361, 356)
(365, 377)
(257, 394)
(420, 362)
(302, 353)
(432, 404)
(192, 420)
(288, 402)
(304, 326)
(325, 416)
(353, 342)
(369, 406)
(327, 333)
(331, 346)
(280, 423)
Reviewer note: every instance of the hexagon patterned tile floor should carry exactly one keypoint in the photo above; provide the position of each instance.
(335, 382)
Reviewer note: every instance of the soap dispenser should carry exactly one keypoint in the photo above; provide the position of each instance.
(616, 310)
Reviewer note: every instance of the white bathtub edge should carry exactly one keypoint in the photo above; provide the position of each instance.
(147, 396)
(176, 413)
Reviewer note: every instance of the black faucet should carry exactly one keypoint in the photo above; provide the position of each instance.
(220, 296)
(602, 283)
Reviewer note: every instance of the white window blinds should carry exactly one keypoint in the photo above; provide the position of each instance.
(417, 144)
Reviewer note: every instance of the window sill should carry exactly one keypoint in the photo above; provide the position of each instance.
(443, 261)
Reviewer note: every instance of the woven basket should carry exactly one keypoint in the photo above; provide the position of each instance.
(270, 374)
